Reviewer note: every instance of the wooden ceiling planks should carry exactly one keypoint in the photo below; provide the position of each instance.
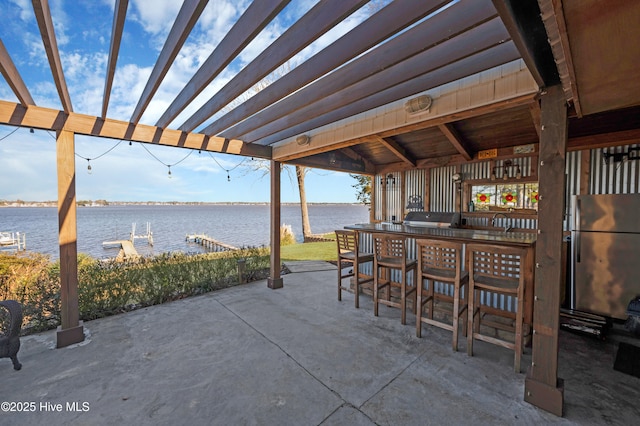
(47, 32)
(116, 36)
(361, 81)
(13, 78)
(184, 23)
(397, 150)
(458, 142)
(388, 21)
(320, 19)
(426, 36)
(500, 54)
(251, 23)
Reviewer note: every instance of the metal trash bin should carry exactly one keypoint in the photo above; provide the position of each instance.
(633, 321)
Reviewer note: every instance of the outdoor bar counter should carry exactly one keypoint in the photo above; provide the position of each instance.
(465, 236)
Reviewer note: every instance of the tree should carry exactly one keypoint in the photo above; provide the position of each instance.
(363, 185)
(301, 171)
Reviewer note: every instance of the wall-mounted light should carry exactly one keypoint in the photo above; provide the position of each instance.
(457, 178)
(418, 104)
(388, 180)
(303, 140)
(506, 167)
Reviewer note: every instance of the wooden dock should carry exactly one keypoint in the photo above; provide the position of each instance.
(13, 241)
(127, 250)
(209, 243)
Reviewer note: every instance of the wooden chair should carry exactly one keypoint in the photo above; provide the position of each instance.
(441, 261)
(390, 254)
(348, 251)
(496, 270)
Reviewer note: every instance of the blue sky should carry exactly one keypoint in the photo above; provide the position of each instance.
(123, 172)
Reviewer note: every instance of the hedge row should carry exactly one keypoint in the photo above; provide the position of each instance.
(109, 287)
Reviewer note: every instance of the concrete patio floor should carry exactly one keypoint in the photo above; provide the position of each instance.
(295, 356)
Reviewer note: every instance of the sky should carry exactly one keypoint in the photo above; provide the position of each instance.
(137, 172)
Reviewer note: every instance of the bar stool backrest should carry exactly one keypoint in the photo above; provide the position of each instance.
(388, 247)
(347, 241)
(440, 259)
(495, 261)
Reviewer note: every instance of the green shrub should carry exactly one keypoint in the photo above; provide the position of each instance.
(109, 287)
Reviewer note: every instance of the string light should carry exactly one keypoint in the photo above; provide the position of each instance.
(162, 162)
(225, 169)
(88, 166)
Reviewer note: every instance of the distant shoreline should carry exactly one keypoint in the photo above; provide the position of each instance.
(157, 203)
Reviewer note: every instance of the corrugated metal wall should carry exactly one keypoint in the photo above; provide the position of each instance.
(609, 177)
(442, 189)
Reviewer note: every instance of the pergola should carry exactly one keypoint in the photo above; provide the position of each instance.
(407, 88)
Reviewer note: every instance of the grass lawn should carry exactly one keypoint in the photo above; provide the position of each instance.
(310, 251)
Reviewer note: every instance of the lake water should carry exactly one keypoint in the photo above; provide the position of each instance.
(237, 225)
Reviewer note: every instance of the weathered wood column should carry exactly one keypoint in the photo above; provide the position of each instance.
(275, 280)
(543, 388)
(71, 330)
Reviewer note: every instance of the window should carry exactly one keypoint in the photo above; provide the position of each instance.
(507, 196)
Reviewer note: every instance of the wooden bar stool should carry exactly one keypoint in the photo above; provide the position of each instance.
(390, 254)
(441, 261)
(348, 251)
(496, 270)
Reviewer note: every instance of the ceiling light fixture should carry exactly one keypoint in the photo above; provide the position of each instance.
(421, 103)
(303, 140)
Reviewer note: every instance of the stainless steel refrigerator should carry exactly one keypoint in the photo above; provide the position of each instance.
(606, 253)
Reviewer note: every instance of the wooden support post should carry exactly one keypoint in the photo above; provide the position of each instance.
(543, 388)
(275, 280)
(71, 330)
(585, 166)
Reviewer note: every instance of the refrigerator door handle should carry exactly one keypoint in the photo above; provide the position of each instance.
(577, 228)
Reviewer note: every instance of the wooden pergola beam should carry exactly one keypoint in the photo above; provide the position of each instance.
(396, 149)
(50, 119)
(320, 19)
(418, 51)
(13, 78)
(47, 32)
(182, 26)
(119, 15)
(456, 139)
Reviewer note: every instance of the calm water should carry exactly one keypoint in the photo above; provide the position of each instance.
(238, 225)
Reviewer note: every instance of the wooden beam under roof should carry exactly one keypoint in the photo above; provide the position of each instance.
(13, 78)
(119, 15)
(396, 149)
(47, 32)
(418, 40)
(182, 26)
(389, 20)
(51, 119)
(250, 24)
(284, 154)
(320, 19)
(552, 15)
(426, 68)
(449, 130)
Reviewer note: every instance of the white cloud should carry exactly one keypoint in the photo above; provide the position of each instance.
(155, 16)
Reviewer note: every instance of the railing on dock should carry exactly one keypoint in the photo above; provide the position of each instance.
(15, 241)
(148, 236)
(209, 243)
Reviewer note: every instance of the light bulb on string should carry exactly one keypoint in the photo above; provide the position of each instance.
(169, 174)
(228, 177)
(88, 165)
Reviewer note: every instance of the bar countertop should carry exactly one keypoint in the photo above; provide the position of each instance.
(463, 235)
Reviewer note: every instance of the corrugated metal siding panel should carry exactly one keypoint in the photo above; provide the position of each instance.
(394, 198)
(442, 189)
(415, 187)
(614, 177)
(572, 185)
(378, 197)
